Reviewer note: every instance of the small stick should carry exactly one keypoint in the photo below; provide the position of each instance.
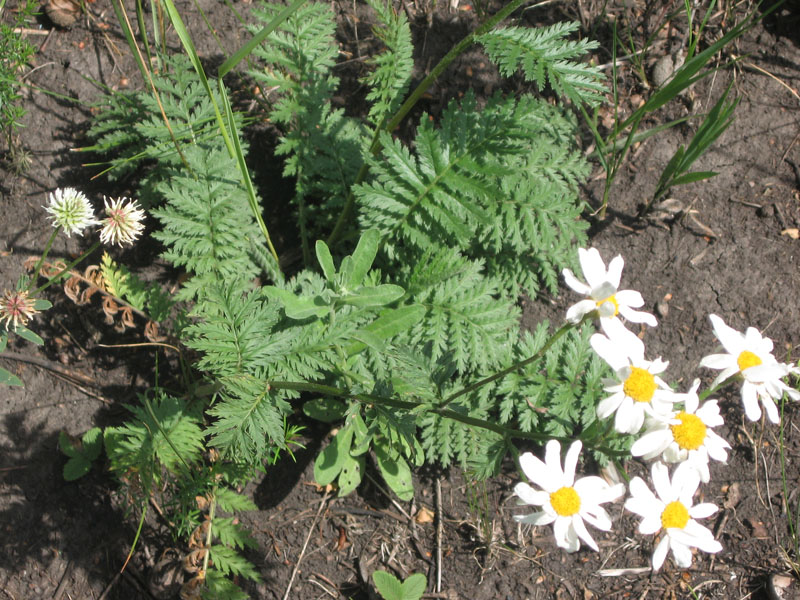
(305, 545)
(63, 583)
(438, 535)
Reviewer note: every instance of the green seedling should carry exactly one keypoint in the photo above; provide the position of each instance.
(81, 452)
(391, 588)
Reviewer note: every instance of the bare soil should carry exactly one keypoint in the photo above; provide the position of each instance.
(724, 247)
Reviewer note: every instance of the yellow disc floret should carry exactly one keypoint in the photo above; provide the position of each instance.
(747, 359)
(640, 385)
(613, 299)
(565, 501)
(690, 433)
(674, 515)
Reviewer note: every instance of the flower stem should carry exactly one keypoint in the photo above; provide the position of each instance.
(42, 258)
(67, 269)
(702, 396)
(479, 384)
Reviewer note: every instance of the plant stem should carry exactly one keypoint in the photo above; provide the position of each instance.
(42, 258)
(69, 267)
(375, 146)
(478, 384)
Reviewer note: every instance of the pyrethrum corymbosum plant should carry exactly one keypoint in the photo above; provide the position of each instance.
(402, 326)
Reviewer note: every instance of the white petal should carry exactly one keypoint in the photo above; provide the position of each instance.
(614, 274)
(681, 553)
(650, 525)
(719, 361)
(536, 471)
(528, 495)
(661, 482)
(772, 410)
(637, 316)
(597, 518)
(577, 311)
(580, 529)
(537, 518)
(653, 442)
(561, 527)
(574, 283)
(608, 405)
(703, 510)
(609, 352)
(630, 298)
(731, 340)
(660, 553)
(570, 462)
(552, 458)
(593, 267)
(750, 401)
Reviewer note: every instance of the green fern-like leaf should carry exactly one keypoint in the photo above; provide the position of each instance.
(392, 74)
(249, 419)
(166, 435)
(545, 56)
(233, 535)
(229, 562)
(207, 225)
(465, 319)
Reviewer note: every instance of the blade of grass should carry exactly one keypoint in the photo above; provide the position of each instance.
(230, 136)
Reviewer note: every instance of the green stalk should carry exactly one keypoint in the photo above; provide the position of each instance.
(66, 269)
(375, 146)
(487, 380)
(41, 260)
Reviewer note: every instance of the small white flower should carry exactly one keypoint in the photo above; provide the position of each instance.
(750, 354)
(637, 391)
(673, 511)
(123, 223)
(70, 210)
(687, 436)
(602, 292)
(566, 503)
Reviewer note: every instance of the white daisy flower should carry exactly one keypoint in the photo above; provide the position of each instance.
(637, 391)
(687, 436)
(70, 210)
(673, 511)
(565, 503)
(750, 355)
(603, 295)
(123, 223)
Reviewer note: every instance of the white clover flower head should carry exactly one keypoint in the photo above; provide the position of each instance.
(603, 293)
(749, 354)
(686, 436)
(673, 510)
(123, 222)
(16, 308)
(637, 391)
(565, 502)
(70, 210)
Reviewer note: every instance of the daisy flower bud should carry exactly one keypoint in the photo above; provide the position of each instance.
(603, 294)
(123, 222)
(70, 210)
(565, 502)
(16, 308)
(674, 512)
(749, 354)
(686, 436)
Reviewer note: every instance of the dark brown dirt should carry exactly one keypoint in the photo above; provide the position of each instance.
(726, 252)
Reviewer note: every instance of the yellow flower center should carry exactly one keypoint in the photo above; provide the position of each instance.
(674, 515)
(613, 299)
(640, 385)
(690, 433)
(747, 359)
(565, 501)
